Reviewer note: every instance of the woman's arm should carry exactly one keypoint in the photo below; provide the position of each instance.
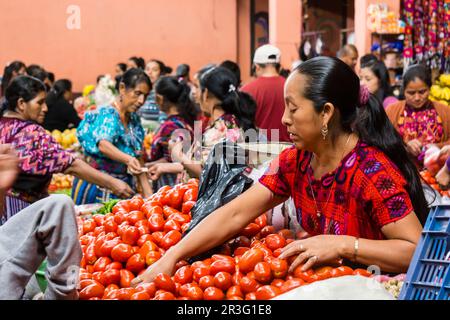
(391, 255)
(84, 171)
(215, 229)
(113, 153)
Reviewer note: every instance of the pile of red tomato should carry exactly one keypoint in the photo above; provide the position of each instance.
(431, 180)
(120, 245)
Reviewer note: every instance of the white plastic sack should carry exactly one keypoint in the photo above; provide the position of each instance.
(341, 288)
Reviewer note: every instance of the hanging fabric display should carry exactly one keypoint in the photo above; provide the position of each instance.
(427, 33)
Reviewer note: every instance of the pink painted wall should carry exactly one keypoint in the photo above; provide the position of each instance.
(176, 31)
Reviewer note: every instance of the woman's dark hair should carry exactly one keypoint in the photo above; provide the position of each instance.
(223, 85)
(367, 58)
(14, 66)
(140, 62)
(178, 93)
(369, 121)
(134, 76)
(417, 71)
(233, 67)
(51, 77)
(24, 87)
(162, 67)
(37, 72)
(380, 71)
(58, 90)
(122, 66)
(183, 71)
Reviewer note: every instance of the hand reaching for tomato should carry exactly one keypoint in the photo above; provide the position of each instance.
(317, 250)
(164, 265)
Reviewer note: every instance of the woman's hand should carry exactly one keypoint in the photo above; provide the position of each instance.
(443, 178)
(134, 166)
(121, 189)
(164, 265)
(156, 170)
(176, 151)
(414, 147)
(317, 250)
(9, 166)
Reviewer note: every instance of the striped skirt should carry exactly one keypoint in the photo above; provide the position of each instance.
(11, 207)
(84, 192)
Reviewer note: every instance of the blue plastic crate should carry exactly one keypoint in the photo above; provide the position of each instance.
(428, 276)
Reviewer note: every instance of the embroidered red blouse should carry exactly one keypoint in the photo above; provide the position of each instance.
(368, 192)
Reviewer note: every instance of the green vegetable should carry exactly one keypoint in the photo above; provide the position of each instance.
(107, 207)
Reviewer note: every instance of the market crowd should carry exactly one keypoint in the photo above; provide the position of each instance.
(357, 136)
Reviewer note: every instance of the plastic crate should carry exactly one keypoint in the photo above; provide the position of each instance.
(428, 276)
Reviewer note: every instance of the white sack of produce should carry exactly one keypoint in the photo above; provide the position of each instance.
(342, 288)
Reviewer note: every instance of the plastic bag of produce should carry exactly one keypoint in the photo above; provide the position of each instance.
(342, 288)
(221, 181)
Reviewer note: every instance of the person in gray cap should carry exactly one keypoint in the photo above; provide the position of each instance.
(267, 90)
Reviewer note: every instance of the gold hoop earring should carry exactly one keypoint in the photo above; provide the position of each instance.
(324, 131)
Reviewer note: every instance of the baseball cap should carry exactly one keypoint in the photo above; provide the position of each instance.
(267, 54)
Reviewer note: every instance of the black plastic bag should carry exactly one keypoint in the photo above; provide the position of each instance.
(222, 180)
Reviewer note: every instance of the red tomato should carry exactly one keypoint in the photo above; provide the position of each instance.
(149, 209)
(101, 264)
(200, 272)
(240, 251)
(292, 284)
(164, 282)
(143, 227)
(98, 243)
(130, 235)
(263, 272)
(187, 206)
(89, 226)
(267, 292)
(345, 271)
(267, 230)
(122, 252)
(277, 283)
(235, 291)
(170, 239)
(190, 195)
(236, 278)
(140, 296)
(223, 265)
(249, 259)
(114, 265)
(194, 293)
(223, 280)
(261, 220)
(250, 296)
(122, 227)
(108, 289)
(158, 236)
(90, 254)
(107, 246)
(110, 225)
(135, 216)
(286, 234)
(152, 257)
(304, 275)
(91, 291)
(171, 225)
(213, 293)
(251, 230)
(86, 282)
(206, 282)
(279, 268)
(275, 241)
(135, 203)
(126, 277)
(183, 275)
(111, 276)
(248, 285)
(147, 247)
(156, 222)
(125, 293)
(164, 295)
(362, 272)
(136, 263)
(176, 198)
(242, 241)
(149, 288)
(183, 289)
(324, 272)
